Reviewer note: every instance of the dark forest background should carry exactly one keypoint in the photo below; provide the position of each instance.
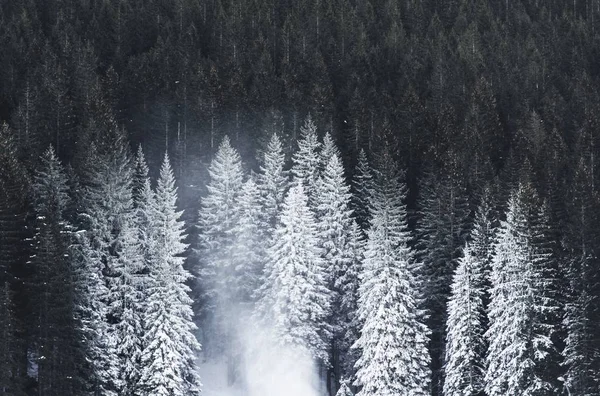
(468, 94)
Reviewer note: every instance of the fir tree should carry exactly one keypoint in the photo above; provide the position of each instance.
(295, 299)
(393, 344)
(218, 219)
(272, 180)
(334, 226)
(52, 290)
(465, 344)
(168, 357)
(347, 284)
(362, 185)
(519, 337)
(306, 160)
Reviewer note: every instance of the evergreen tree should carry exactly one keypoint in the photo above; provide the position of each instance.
(519, 336)
(52, 289)
(295, 299)
(334, 226)
(393, 344)
(272, 180)
(328, 150)
(218, 219)
(465, 344)
(306, 160)
(362, 185)
(168, 357)
(347, 283)
(108, 217)
(344, 389)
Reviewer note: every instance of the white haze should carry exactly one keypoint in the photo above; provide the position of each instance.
(268, 368)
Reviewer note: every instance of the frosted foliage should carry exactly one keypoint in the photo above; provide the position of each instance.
(295, 297)
(519, 342)
(306, 160)
(465, 343)
(394, 359)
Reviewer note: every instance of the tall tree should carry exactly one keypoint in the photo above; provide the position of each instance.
(295, 298)
(272, 180)
(394, 359)
(362, 185)
(218, 218)
(465, 344)
(168, 357)
(306, 160)
(52, 289)
(519, 336)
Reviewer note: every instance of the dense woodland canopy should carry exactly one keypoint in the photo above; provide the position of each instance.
(157, 159)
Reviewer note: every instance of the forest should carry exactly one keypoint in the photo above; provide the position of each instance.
(303, 198)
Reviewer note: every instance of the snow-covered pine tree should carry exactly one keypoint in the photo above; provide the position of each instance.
(467, 317)
(333, 229)
(57, 350)
(581, 353)
(519, 337)
(112, 250)
(168, 357)
(442, 231)
(344, 389)
(272, 181)
(295, 300)
(218, 218)
(347, 283)
(465, 341)
(306, 160)
(248, 254)
(140, 180)
(394, 359)
(328, 150)
(362, 186)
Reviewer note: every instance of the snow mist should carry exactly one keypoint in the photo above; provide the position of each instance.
(273, 369)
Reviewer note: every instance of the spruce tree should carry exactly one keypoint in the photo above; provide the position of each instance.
(306, 160)
(272, 180)
(168, 357)
(362, 186)
(334, 227)
(295, 299)
(519, 335)
(393, 344)
(465, 343)
(52, 288)
(218, 219)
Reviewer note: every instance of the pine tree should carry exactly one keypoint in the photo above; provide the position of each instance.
(393, 344)
(519, 336)
(248, 253)
(218, 219)
(52, 290)
(306, 160)
(344, 389)
(334, 226)
(465, 344)
(362, 185)
(109, 219)
(295, 299)
(168, 357)
(443, 228)
(347, 284)
(328, 150)
(581, 353)
(272, 180)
